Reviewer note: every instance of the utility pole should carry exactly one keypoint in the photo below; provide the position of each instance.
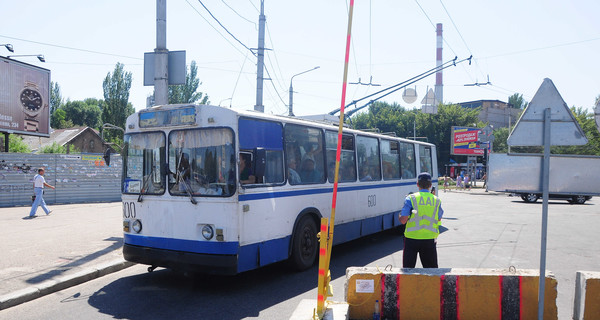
(161, 57)
(261, 59)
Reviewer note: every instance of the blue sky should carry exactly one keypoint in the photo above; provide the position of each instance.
(516, 43)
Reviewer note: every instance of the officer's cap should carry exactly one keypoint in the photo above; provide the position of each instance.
(424, 176)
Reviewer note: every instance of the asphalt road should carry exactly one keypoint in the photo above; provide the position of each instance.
(480, 230)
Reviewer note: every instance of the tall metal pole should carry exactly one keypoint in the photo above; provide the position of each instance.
(261, 59)
(161, 56)
(545, 187)
(290, 106)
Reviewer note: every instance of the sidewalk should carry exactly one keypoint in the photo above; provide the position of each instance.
(74, 244)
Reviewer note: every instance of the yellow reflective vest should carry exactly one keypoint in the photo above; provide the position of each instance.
(423, 222)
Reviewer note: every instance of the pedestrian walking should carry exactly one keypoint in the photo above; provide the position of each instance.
(39, 182)
(422, 214)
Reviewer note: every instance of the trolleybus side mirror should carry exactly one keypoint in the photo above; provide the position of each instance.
(260, 162)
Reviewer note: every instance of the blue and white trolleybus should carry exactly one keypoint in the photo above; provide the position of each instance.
(214, 190)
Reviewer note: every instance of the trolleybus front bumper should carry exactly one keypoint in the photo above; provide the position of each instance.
(184, 261)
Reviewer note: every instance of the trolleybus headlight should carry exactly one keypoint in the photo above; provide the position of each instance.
(207, 232)
(137, 226)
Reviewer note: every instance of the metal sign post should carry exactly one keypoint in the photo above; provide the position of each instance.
(545, 187)
(547, 121)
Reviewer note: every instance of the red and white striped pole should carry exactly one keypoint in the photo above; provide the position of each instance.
(339, 142)
(324, 268)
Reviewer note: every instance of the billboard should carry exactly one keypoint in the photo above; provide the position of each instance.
(465, 141)
(24, 98)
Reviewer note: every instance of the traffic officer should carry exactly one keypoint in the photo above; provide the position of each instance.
(422, 214)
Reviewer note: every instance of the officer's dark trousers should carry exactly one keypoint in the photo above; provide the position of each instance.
(425, 248)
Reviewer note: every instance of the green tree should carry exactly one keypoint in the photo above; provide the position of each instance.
(188, 92)
(436, 128)
(53, 148)
(584, 119)
(16, 144)
(59, 120)
(116, 107)
(517, 101)
(55, 96)
(82, 114)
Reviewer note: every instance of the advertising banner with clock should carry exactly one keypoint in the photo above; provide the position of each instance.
(24, 98)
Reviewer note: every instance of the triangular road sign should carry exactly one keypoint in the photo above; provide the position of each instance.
(429, 99)
(564, 129)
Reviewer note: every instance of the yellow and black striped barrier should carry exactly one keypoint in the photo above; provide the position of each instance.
(448, 293)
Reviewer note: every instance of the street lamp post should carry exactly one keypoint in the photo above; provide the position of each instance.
(8, 47)
(39, 56)
(291, 113)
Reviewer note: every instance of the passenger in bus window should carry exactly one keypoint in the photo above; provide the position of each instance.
(365, 175)
(309, 173)
(245, 171)
(293, 175)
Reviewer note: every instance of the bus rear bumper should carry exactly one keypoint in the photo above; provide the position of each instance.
(183, 261)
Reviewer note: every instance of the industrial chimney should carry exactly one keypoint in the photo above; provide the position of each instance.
(439, 90)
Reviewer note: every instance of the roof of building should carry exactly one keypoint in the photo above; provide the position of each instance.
(482, 101)
(60, 136)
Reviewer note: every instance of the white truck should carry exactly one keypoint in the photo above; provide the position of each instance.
(575, 178)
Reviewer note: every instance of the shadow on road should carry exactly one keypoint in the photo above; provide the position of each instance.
(57, 271)
(165, 294)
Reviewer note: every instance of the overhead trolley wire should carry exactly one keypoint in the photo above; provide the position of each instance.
(461, 37)
(239, 15)
(72, 48)
(224, 28)
(444, 39)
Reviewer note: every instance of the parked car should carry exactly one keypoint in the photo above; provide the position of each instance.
(574, 199)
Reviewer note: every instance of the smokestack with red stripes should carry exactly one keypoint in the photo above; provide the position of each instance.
(439, 90)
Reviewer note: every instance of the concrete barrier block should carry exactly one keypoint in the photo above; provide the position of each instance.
(587, 296)
(448, 293)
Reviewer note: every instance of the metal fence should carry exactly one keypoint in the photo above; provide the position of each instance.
(78, 178)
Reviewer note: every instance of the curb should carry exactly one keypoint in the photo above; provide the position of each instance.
(47, 287)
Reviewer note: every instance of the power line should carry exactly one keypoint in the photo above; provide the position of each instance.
(272, 84)
(541, 48)
(218, 32)
(274, 55)
(255, 8)
(460, 34)
(72, 48)
(222, 26)
(239, 15)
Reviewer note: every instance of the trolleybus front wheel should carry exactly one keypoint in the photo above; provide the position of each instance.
(305, 244)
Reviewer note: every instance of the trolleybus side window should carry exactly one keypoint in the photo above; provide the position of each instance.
(407, 154)
(200, 161)
(304, 145)
(143, 160)
(261, 143)
(390, 154)
(347, 171)
(425, 158)
(369, 167)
